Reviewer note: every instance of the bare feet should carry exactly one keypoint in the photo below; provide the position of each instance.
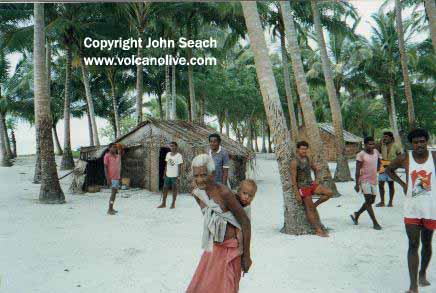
(354, 219)
(380, 204)
(412, 291)
(162, 206)
(377, 227)
(390, 205)
(111, 212)
(321, 233)
(423, 282)
(173, 206)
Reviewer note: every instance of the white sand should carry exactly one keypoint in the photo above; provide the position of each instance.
(144, 249)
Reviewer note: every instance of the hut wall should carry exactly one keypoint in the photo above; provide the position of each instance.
(133, 165)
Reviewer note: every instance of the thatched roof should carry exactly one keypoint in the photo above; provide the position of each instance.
(348, 136)
(190, 133)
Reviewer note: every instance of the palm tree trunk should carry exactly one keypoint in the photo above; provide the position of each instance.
(167, 93)
(288, 90)
(50, 191)
(263, 138)
(313, 134)
(5, 159)
(173, 112)
(6, 136)
(89, 101)
(159, 102)
(342, 172)
(227, 122)
(14, 143)
(115, 106)
(256, 144)
(405, 70)
(139, 86)
(202, 108)
(393, 115)
(295, 219)
(193, 116)
(67, 162)
(56, 141)
(37, 172)
(430, 9)
(91, 138)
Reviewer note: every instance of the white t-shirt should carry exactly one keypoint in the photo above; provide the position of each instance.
(173, 163)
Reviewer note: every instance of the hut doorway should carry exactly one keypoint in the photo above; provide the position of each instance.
(162, 155)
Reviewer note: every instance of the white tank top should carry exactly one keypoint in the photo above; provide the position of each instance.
(420, 200)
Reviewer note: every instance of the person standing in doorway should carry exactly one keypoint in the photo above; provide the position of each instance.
(367, 165)
(112, 171)
(221, 159)
(389, 150)
(173, 169)
(419, 204)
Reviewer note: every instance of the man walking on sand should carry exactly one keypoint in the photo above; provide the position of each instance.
(389, 150)
(220, 266)
(173, 169)
(112, 171)
(304, 187)
(367, 165)
(419, 204)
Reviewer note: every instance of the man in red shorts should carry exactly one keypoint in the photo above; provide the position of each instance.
(419, 204)
(304, 187)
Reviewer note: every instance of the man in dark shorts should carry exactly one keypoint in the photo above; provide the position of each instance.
(304, 187)
(419, 204)
(389, 151)
(173, 170)
(221, 159)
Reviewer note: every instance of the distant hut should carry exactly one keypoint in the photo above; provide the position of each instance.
(353, 143)
(145, 149)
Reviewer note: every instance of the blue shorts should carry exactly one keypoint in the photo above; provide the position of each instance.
(115, 184)
(383, 177)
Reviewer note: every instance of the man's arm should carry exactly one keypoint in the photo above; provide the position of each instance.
(294, 179)
(232, 204)
(357, 175)
(399, 162)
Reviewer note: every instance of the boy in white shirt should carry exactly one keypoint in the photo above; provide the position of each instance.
(173, 170)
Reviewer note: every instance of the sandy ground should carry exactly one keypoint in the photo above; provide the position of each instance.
(76, 247)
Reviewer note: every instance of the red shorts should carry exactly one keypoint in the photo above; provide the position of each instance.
(308, 191)
(426, 223)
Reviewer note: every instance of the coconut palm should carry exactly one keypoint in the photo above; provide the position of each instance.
(50, 191)
(404, 62)
(303, 92)
(342, 172)
(430, 8)
(295, 219)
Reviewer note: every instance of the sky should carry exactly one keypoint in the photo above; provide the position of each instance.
(25, 134)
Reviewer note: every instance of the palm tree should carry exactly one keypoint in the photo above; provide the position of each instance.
(342, 172)
(430, 8)
(295, 219)
(303, 92)
(67, 162)
(137, 15)
(50, 191)
(404, 62)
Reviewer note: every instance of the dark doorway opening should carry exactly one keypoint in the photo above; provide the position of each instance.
(162, 155)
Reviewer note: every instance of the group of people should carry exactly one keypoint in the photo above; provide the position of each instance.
(227, 229)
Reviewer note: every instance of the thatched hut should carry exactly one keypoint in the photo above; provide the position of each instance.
(353, 143)
(146, 147)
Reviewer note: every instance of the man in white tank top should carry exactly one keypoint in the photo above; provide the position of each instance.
(419, 205)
